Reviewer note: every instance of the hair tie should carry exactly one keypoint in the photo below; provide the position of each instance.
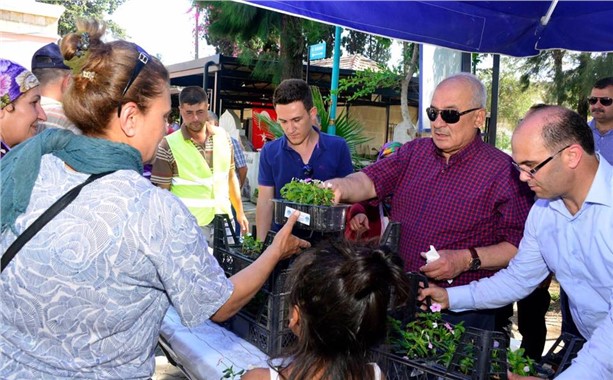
(80, 56)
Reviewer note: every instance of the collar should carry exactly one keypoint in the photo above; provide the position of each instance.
(466, 152)
(599, 193)
(5, 148)
(321, 144)
(47, 101)
(592, 125)
(187, 136)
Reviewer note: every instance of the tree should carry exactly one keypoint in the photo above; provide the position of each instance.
(98, 9)
(367, 82)
(572, 75)
(373, 47)
(275, 42)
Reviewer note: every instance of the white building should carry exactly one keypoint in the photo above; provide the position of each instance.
(25, 26)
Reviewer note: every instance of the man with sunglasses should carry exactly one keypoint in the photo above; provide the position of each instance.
(568, 232)
(452, 191)
(601, 108)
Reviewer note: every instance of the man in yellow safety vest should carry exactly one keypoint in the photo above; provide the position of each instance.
(196, 163)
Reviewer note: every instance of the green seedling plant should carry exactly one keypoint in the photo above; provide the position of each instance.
(428, 337)
(520, 364)
(307, 191)
(251, 246)
(231, 373)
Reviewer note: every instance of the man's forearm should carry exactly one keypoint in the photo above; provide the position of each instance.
(247, 282)
(263, 218)
(242, 176)
(496, 256)
(235, 195)
(356, 187)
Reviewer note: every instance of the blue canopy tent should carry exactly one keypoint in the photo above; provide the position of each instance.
(515, 28)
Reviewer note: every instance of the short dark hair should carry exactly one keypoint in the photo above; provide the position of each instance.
(342, 291)
(293, 90)
(193, 95)
(603, 83)
(565, 127)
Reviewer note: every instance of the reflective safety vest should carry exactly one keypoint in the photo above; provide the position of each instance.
(205, 193)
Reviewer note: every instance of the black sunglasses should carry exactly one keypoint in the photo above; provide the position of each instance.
(141, 61)
(604, 100)
(532, 172)
(448, 116)
(307, 170)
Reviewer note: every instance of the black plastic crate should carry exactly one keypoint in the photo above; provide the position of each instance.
(396, 367)
(263, 321)
(271, 341)
(486, 351)
(480, 354)
(560, 355)
(227, 251)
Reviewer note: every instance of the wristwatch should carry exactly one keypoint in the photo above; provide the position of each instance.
(475, 261)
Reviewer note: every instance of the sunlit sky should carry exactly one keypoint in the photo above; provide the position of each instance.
(161, 27)
(164, 28)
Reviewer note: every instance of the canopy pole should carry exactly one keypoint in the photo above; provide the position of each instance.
(545, 19)
(334, 84)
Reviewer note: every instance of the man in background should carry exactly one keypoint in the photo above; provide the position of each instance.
(196, 163)
(54, 77)
(601, 108)
(240, 163)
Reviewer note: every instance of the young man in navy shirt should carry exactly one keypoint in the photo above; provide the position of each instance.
(302, 152)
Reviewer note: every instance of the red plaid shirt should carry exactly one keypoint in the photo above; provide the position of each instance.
(474, 200)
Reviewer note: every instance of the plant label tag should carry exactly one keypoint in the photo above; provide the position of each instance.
(304, 218)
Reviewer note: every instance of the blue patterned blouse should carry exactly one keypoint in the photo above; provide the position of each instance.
(86, 296)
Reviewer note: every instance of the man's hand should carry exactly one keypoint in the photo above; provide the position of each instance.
(244, 223)
(436, 293)
(359, 223)
(450, 265)
(286, 243)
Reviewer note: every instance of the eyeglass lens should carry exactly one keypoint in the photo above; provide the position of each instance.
(604, 100)
(448, 116)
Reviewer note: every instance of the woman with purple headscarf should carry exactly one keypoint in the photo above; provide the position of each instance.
(20, 108)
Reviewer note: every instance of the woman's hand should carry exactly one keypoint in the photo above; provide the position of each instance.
(285, 243)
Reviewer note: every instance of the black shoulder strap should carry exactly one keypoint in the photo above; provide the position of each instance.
(42, 220)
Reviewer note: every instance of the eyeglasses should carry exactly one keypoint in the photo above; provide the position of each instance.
(604, 100)
(448, 116)
(141, 61)
(532, 172)
(307, 170)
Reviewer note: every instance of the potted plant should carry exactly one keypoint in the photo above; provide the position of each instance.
(431, 341)
(314, 201)
(251, 246)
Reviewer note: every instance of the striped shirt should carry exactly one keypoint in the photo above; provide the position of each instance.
(56, 118)
(165, 167)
